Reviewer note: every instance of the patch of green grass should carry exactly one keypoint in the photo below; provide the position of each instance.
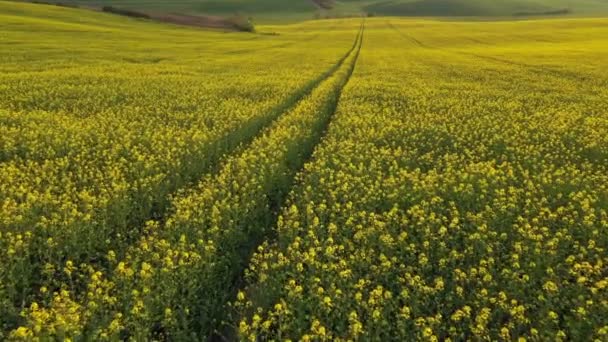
(437, 8)
(280, 11)
(265, 10)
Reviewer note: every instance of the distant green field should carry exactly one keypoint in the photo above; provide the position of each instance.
(483, 8)
(279, 10)
(265, 10)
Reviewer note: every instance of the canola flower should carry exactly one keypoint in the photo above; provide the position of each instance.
(460, 191)
(166, 285)
(455, 197)
(93, 148)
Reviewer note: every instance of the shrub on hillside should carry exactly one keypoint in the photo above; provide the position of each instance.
(562, 11)
(60, 4)
(125, 12)
(241, 23)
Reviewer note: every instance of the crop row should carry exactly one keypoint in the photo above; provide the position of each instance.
(453, 198)
(90, 152)
(174, 282)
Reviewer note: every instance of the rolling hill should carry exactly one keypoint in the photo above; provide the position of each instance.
(484, 8)
(280, 10)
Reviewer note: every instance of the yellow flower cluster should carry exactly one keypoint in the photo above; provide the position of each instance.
(95, 141)
(456, 196)
(398, 180)
(167, 283)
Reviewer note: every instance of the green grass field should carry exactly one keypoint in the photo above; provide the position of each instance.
(266, 11)
(368, 179)
(455, 8)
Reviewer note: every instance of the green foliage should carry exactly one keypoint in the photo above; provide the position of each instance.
(241, 23)
(125, 12)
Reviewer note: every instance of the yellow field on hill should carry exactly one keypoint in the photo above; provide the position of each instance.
(379, 179)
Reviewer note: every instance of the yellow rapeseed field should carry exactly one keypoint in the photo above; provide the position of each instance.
(461, 193)
(349, 179)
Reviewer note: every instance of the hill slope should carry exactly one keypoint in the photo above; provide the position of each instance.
(484, 8)
(281, 10)
(268, 10)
